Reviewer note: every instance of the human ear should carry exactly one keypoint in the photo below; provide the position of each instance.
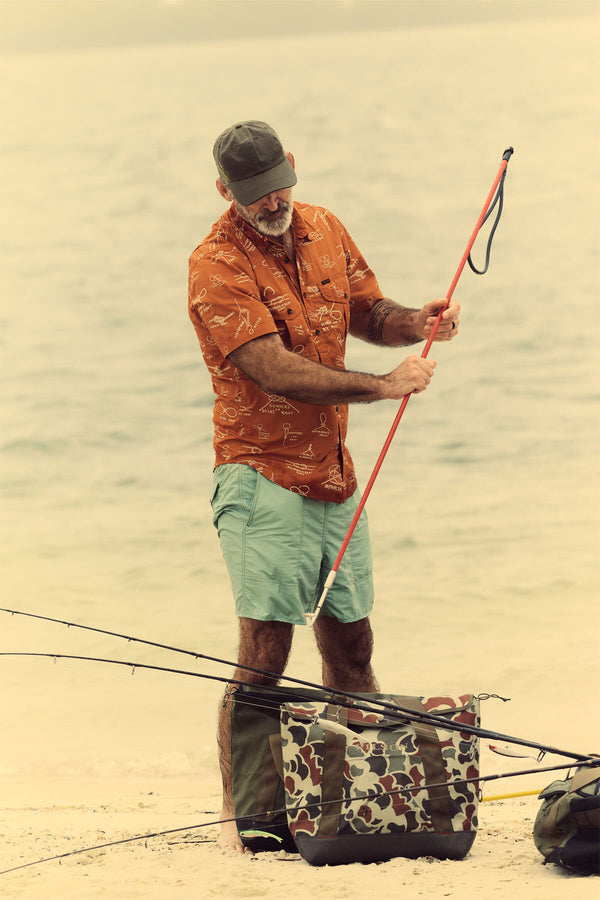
(223, 190)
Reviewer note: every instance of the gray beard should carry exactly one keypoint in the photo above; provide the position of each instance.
(278, 227)
(264, 224)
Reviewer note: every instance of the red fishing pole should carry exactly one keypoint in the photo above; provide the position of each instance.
(488, 207)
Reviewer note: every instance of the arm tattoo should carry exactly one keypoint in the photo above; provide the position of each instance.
(376, 322)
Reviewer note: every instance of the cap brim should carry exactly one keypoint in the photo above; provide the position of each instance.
(252, 189)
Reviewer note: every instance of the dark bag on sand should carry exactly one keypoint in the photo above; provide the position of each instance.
(256, 764)
(567, 826)
(324, 751)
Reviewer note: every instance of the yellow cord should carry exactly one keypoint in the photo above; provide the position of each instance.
(509, 796)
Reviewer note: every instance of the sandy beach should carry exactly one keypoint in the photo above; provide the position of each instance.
(188, 865)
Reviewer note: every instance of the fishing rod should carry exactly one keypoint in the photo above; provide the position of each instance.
(336, 695)
(126, 637)
(489, 205)
(590, 762)
(192, 653)
(334, 692)
(394, 711)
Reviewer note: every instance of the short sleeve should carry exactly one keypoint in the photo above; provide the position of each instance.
(224, 300)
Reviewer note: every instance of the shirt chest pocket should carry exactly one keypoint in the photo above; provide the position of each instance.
(336, 288)
(330, 306)
(290, 320)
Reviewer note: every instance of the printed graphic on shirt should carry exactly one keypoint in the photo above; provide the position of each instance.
(303, 489)
(303, 469)
(262, 435)
(309, 453)
(279, 406)
(327, 262)
(246, 322)
(275, 303)
(322, 429)
(289, 434)
(334, 481)
(330, 317)
(219, 321)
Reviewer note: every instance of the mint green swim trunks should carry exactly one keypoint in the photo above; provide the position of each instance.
(279, 548)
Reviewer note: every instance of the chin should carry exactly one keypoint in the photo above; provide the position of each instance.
(276, 229)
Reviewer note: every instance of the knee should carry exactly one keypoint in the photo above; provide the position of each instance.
(361, 644)
(347, 646)
(265, 647)
(347, 652)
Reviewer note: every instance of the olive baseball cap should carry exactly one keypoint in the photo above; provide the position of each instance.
(251, 161)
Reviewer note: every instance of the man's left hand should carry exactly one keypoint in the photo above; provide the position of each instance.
(448, 324)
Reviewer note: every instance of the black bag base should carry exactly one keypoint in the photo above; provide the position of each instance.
(371, 848)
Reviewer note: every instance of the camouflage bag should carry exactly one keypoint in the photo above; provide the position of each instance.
(567, 826)
(331, 752)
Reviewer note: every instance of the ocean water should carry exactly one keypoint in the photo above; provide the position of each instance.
(484, 517)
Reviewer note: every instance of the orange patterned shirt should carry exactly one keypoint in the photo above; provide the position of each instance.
(243, 285)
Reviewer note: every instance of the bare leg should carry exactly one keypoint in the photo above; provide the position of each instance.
(346, 650)
(266, 646)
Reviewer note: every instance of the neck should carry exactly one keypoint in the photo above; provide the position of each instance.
(287, 239)
(284, 238)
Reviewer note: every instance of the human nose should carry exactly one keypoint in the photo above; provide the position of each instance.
(271, 201)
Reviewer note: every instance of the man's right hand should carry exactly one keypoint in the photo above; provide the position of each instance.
(412, 376)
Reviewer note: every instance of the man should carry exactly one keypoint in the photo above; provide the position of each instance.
(274, 290)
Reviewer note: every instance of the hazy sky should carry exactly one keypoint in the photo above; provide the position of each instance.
(34, 25)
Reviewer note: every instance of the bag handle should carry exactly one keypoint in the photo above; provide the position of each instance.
(430, 750)
(332, 785)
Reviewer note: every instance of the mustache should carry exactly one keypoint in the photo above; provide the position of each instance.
(267, 214)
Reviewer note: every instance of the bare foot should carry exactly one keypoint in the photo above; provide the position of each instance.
(229, 839)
